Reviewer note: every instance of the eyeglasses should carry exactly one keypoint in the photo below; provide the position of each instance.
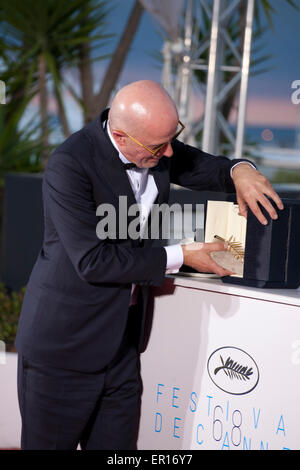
(157, 149)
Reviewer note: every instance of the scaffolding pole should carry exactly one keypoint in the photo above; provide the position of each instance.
(244, 81)
(187, 57)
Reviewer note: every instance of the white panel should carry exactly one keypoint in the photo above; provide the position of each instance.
(183, 408)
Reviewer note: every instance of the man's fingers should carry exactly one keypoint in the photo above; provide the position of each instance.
(215, 246)
(273, 195)
(264, 201)
(258, 213)
(269, 207)
(199, 257)
(217, 269)
(243, 209)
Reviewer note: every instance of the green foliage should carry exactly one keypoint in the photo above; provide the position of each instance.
(30, 30)
(53, 28)
(285, 176)
(270, 9)
(19, 144)
(20, 148)
(10, 307)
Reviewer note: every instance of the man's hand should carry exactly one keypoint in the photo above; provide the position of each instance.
(253, 187)
(197, 256)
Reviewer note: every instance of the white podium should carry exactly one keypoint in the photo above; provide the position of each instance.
(222, 368)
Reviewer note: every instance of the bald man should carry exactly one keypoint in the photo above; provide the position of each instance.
(81, 326)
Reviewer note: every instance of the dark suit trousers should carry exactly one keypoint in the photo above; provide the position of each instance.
(61, 408)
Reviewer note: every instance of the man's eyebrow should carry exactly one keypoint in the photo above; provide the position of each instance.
(158, 145)
(162, 143)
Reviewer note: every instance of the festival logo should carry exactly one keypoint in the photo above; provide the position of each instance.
(233, 370)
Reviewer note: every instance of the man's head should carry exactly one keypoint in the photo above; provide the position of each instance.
(143, 113)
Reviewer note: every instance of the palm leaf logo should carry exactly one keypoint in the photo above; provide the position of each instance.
(236, 248)
(234, 370)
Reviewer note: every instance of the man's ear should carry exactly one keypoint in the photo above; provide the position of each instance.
(119, 137)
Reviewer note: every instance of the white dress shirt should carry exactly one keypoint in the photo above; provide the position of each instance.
(145, 191)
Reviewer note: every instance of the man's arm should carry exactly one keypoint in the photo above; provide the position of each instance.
(194, 169)
(198, 170)
(68, 197)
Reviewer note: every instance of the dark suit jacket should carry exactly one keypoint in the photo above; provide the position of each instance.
(76, 303)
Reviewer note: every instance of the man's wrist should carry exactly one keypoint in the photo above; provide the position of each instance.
(188, 252)
(241, 163)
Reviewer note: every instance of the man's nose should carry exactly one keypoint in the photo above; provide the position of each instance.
(168, 152)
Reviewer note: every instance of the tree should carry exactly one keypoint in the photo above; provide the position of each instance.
(20, 146)
(119, 56)
(42, 38)
(91, 101)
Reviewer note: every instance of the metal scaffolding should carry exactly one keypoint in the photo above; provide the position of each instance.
(184, 56)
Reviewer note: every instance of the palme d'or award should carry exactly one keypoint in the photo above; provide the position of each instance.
(259, 255)
(233, 258)
(225, 224)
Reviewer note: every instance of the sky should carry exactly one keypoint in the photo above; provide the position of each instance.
(269, 94)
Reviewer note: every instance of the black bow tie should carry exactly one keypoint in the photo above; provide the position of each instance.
(128, 166)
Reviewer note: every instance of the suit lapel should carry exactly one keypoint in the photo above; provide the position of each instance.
(107, 161)
(162, 180)
(109, 166)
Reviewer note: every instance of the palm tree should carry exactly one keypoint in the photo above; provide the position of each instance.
(44, 37)
(90, 101)
(119, 56)
(19, 145)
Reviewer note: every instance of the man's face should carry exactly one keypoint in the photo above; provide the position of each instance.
(143, 158)
(152, 139)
